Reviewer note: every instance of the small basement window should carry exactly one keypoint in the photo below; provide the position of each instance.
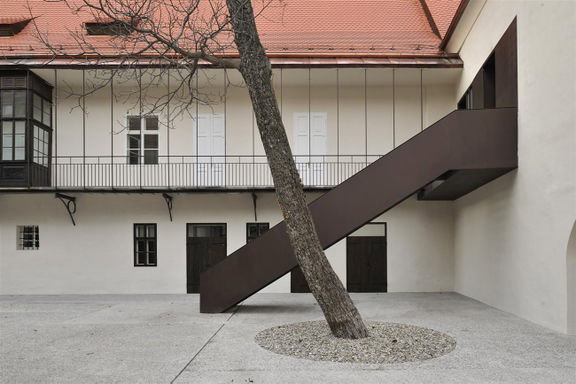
(28, 237)
(145, 250)
(112, 28)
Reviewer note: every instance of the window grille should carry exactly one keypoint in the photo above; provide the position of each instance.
(28, 237)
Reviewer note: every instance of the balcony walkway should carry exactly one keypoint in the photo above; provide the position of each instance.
(186, 173)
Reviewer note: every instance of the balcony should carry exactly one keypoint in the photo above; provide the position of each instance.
(190, 173)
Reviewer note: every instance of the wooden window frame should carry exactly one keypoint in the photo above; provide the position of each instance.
(142, 133)
(259, 234)
(145, 238)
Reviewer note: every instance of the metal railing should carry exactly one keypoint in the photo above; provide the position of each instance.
(196, 172)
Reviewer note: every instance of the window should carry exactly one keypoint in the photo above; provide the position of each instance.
(28, 237)
(255, 230)
(13, 126)
(113, 28)
(13, 104)
(143, 139)
(41, 145)
(25, 129)
(13, 136)
(14, 28)
(145, 245)
(207, 230)
(42, 110)
(13, 131)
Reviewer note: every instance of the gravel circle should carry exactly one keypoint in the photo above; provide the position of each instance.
(387, 343)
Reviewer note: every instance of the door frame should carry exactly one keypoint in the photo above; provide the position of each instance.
(385, 236)
(188, 227)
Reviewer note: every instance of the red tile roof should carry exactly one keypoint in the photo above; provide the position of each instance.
(443, 12)
(310, 28)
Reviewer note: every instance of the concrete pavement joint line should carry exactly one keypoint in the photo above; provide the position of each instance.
(205, 344)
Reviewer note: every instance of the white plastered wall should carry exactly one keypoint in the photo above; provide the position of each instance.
(96, 255)
(362, 115)
(511, 235)
(571, 276)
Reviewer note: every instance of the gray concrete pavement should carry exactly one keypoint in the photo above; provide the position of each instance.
(163, 339)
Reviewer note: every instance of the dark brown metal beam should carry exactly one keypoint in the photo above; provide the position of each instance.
(464, 140)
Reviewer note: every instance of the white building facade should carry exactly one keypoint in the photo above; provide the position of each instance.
(147, 184)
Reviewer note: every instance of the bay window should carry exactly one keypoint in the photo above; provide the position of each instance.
(25, 129)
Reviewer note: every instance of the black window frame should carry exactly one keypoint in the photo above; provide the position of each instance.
(260, 226)
(34, 89)
(146, 238)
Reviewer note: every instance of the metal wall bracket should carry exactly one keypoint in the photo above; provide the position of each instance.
(70, 204)
(168, 200)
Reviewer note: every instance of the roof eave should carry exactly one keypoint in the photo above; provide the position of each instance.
(286, 61)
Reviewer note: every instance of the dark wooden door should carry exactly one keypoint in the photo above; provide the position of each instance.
(298, 283)
(366, 264)
(205, 247)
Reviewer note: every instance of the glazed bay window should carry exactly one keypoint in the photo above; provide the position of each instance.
(25, 129)
(145, 250)
(13, 140)
(41, 145)
(143, 139)
(13, 114)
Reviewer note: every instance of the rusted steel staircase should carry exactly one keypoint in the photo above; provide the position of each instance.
(454, 156)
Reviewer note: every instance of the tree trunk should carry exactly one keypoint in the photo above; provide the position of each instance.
(339, 310)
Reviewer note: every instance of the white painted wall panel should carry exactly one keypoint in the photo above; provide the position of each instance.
(512, 234)
(96, 255)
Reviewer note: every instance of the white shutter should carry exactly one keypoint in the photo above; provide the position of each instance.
(211, 149)
(301, 145)
(318, 131)
(204, 135)
(218, 135)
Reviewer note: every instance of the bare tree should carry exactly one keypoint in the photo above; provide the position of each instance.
(186, 34)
